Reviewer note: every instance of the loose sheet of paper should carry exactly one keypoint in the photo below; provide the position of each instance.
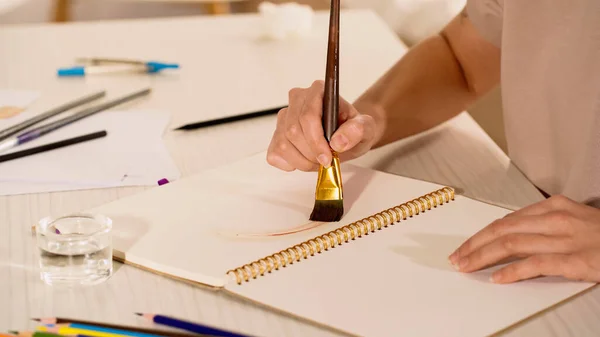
(132, 153)
(13, 105)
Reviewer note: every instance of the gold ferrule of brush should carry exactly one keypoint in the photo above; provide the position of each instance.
(329, 181)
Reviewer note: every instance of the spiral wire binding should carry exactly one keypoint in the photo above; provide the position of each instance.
(342, 235)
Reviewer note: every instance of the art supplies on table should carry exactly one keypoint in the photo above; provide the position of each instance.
(123, 158)
(93, 66)
(42, 130)
(169, 326)
(63, 320)
(189, 326)
(230, 119)
(16, 128)
(73, 329)
(35, 334)
(382, 270)
(52, 146)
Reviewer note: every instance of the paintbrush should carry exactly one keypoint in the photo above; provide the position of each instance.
(329, 202)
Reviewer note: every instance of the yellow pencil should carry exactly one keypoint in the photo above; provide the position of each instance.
(67, 331)
(90, 330)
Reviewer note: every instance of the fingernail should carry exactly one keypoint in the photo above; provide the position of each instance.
(463, 263)
(322, 159)
(339, 143)
(453, 264)
(453, 257)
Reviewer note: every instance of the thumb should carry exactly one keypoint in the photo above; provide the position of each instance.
(354, 131)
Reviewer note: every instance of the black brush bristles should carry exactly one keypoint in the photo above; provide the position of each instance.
(327, 210)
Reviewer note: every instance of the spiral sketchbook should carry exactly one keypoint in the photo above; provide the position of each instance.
(381, 271)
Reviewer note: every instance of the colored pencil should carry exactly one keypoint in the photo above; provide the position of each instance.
(60, 320)
(4, 134)
(91, 330)
(52, 146)
(50, 127)
(230, 119)
(189, 326)
(33, 334)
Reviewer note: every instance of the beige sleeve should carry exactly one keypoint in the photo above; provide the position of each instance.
(486, 16)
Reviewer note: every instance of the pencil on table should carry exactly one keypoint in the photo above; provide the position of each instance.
(329, 201)
(6, 133)
(189, 326)
(70, 329)
(61, 320)
(31, 334)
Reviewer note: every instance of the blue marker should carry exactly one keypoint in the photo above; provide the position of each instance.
(107, 66)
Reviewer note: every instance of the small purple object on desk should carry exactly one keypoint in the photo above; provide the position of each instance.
(163, 181)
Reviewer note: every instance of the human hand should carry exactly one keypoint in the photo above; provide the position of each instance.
(299, 141)
(555, 237)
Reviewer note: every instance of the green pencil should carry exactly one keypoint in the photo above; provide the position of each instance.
(32, 334)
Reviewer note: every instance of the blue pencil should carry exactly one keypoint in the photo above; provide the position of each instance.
(189, 326)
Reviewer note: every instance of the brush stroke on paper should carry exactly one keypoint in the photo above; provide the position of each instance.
(296, 215)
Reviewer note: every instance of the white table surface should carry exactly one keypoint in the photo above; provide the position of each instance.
(228, 69)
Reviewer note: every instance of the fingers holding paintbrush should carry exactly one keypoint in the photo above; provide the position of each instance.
(302, 141)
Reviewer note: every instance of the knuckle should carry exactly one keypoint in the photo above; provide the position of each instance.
(294, 93)
(558, 200)
(281, 147)
(367, 119)
(498, 227)
(307, 118)
(510, 243)
(318, 83)
(292, 131)
(465, 247)
(281, 114)
(560, 217)
(358, 127)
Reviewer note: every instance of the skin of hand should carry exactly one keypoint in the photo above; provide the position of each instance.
(434, 81)
(298, 141)
(554, 237)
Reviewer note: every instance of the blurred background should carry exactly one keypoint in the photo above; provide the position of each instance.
(412, 20)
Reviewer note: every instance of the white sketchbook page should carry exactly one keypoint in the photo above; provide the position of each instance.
(187, 228)
(398, 282)
(133, 153)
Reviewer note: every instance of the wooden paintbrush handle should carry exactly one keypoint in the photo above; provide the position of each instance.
(331, 95)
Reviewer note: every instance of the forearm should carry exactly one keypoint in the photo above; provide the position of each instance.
(434, 81)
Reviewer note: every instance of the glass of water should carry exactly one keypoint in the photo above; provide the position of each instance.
(75, 249)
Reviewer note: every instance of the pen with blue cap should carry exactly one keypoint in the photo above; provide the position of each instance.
(90, 66)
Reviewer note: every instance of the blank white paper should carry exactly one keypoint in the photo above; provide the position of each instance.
(133, 153)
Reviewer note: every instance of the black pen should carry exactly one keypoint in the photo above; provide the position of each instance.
(230, 119)
(52, 146)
